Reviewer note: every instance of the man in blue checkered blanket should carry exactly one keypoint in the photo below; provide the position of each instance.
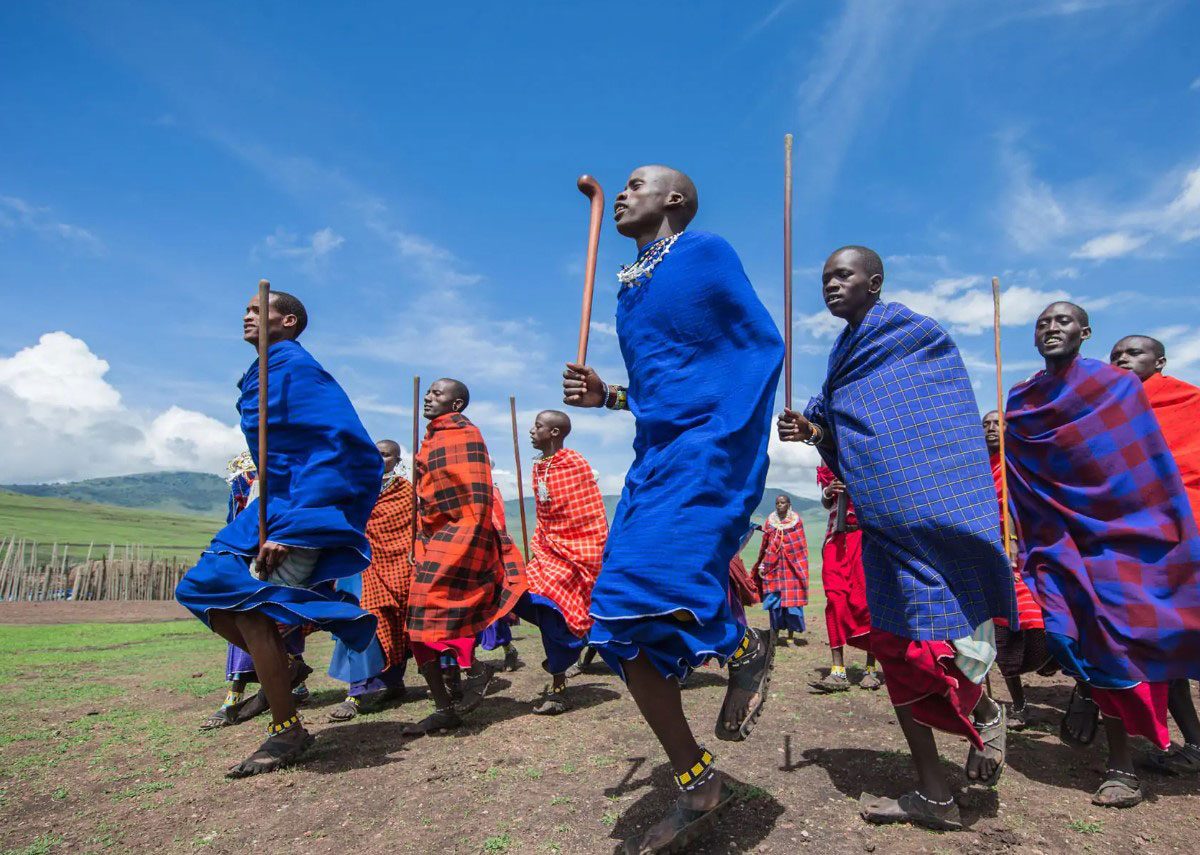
(897, 421)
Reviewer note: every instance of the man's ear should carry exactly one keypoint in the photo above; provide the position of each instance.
(289, 321)
(1085, 333)
(555, 431)
(674, 199)
(875, 284)
(1160, 363)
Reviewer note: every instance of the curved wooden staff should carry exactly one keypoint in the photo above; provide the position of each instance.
(589, 187)
(264, 343)
(416, 438)
(512, 405)
(1005, 520)
(787, 270)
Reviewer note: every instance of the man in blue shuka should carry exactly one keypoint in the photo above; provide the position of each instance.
(323, 476)
(703, 358)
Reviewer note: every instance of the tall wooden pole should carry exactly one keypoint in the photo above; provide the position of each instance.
(512, 406)
(416, 439)
(589, 187)
(1005, 520)
(264, 313)
(787, 270)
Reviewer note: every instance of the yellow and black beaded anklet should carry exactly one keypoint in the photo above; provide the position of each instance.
(744, 653)
(276, 729)
(232, 698)
(699, 774)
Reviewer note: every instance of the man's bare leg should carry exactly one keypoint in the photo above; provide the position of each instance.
(990, 721)
(1183, 710)
(931, 780)
(1121, 787)
(265, 646)
(659, 700)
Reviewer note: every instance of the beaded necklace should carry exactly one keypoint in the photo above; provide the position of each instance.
(643, 268)
(542, 487)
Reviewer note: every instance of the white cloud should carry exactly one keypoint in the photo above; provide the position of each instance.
(61, 420)
(307, 254)
(963, 304)
(1195, 87)
(1035, 219)
(1112, 245)
(604, 329)
(17, 213)
(793, 466)
(1182, 343)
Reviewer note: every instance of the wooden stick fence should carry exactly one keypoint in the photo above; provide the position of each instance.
(130, 572)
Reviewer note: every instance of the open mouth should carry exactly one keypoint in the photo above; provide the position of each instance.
(1052, 340)
(618, 210)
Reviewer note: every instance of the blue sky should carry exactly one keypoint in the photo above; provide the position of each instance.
(409, 172)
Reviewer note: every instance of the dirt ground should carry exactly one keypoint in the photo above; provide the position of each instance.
(103, 611)
(99, 751)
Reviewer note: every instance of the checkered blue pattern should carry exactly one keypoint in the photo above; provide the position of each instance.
(904, 436)
(1108, 540)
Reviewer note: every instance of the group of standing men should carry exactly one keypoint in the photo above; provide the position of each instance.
(1107, 550)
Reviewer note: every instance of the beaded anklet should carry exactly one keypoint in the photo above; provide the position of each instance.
(699, 774)
(743, 654)
(276, 729)
(232, 698)
(928, 800)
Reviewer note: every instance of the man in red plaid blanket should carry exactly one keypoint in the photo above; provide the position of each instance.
(468, 573)
(783, 566)
(568, 544)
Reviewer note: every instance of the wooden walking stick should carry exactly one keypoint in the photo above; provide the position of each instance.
(787, 270)
(416, 439)
(589, 187)
(512, 405)
(1005, 521)
(264, 312)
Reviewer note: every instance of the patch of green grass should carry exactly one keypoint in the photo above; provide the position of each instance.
(609, 818)
(601, 760)
(498, 843)
(569, 768)
(59, 794)
(748, 792)
(141, 790)
(560, 800)
(491, 774)
(42, 844)
(533, 773)
(1086, 826)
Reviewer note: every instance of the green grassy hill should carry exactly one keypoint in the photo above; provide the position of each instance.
(174, 492)
(49, 520)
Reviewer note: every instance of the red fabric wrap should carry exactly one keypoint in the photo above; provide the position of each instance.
(847, 618)
(568, 542)
(1029, 613)
(469, 572)
(387, 581)
(922, 676)
(1142, 709)
(783, 561)
(1177, 406)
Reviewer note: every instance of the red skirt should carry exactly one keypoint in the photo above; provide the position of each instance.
(922, 676)
(1142, 709)
(847, 618)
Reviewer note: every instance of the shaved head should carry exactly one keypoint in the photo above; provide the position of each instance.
(388, 446)
(556, 419)
(1062, 305)
(656, 201)
(675, 181)
(1141, 354)
(1153, 345)
(871, 262)
(456, 388)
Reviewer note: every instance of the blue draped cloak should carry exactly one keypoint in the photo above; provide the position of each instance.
(703, 359)
(902, 432)
(323, 478)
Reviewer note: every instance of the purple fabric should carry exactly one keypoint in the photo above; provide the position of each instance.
(239, 665)
(392, 678)
(1109, 546)
(496, 635)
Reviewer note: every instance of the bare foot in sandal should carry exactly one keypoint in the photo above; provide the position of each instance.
(691, 815)
(281, 749)
(749, 679)
(985, 766)
(912, 808)
(1119, 790)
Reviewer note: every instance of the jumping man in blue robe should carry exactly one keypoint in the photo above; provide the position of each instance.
(323, 475)
(703, 359)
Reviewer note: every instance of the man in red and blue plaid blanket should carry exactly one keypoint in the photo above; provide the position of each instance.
(468, 573)
(783, 567)
(1108, 543)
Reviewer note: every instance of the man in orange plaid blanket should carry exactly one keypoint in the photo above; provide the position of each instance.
(468, 573)
(384, 591)
(568, 544)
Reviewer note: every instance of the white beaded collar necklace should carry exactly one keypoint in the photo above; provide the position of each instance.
(643, 268)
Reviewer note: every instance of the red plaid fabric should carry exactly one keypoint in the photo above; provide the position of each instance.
(1029, 613)
(386, 583)
(783, 560)
(568, 541)
(468, 572)
(1176, 405)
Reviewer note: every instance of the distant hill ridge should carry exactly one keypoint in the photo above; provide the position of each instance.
(206, 495)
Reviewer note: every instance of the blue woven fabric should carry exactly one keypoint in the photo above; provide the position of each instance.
(904, 436)
(703, 359)
(324, 476)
